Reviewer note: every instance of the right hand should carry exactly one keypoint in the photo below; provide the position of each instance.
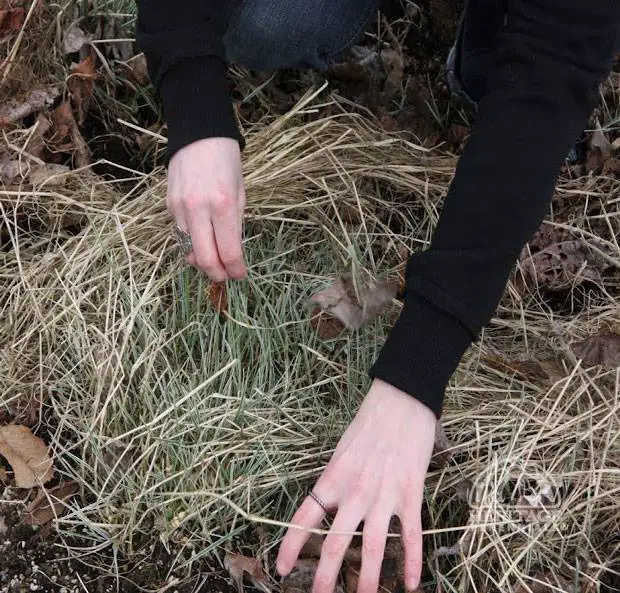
(206, 198)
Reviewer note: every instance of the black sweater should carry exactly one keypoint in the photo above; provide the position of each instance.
(541, 88)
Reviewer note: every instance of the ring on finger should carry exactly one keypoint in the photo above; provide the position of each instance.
(184, 240)
(314, 496)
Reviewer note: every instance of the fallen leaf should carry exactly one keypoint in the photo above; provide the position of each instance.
(239, 566)
(442, 448)
(36, 144)
(19, 172)
(312, 549)
(14, 110)
(4, 478)
(325, 324)
(138, 69)
(49, 175)
(10, 170)
(563, 265)
(66, 136)
(217, 294)
(301, 577)
(600, 349)
(351, 578)
(11, 20)
(74, 40)
(599, 150)
(27, 454)
(3, 527)
(548, 371)
(81, 84)
(395, 65)
(49, 504)
(354, 308)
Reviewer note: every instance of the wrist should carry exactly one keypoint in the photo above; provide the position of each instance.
(385, 394)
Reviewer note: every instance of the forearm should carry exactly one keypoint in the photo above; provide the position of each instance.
(182, 42)
(542, 87)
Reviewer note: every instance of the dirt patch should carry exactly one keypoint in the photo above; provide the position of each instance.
(36, 559)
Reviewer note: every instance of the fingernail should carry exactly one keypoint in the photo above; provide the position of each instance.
(281, 568)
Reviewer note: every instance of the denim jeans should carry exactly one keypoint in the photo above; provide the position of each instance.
(276, 34)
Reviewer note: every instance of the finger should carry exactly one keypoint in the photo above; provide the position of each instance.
(411, 539)
(309, 515)
(335, 546)
(226, 225)
(376, 527)
(204, 252)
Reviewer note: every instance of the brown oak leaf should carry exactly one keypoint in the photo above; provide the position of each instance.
(49, 504)
(600, 349)
(563, 265)
(355, 303)
(239, 566)
(27, 454)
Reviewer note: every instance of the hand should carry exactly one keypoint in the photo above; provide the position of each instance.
(377, 471)
(206, 198)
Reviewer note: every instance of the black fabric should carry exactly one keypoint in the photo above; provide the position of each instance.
(182, 42)
(546, 62)
(541, 87)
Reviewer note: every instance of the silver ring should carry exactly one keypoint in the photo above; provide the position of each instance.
(184, 240)
(319, 501)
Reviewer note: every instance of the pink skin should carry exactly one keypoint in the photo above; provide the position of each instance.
(377, 471)
(380, 463)
(206, 198)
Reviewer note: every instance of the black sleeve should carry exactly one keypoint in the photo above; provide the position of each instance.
(182, 42)
(541, 89)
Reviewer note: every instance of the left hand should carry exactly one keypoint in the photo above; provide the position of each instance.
(377, 471)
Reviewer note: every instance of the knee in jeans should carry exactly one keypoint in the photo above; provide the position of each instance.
(271, 40)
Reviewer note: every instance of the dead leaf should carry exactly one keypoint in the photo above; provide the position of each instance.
(11, 20)
(49, 175)
(600, 349)
(139, 70)
(4, 478)
(74, 40)
(547, 371)
(326, 325)
(217, 294)
(66, 136)
(301, 577)
(599, 149)
(351, 578)
(239, 566)
(312, 549)
(395, 66)
(10, 170)
(49, 504)
(20, 172)
(355, 308)
(563, 265)
(14, 110)
(27, 454)
(81, 84)
(442, 448)
(36, 144)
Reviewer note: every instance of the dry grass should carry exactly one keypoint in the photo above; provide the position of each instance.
(188, 427)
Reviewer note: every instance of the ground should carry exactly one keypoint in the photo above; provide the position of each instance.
(402, 89)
